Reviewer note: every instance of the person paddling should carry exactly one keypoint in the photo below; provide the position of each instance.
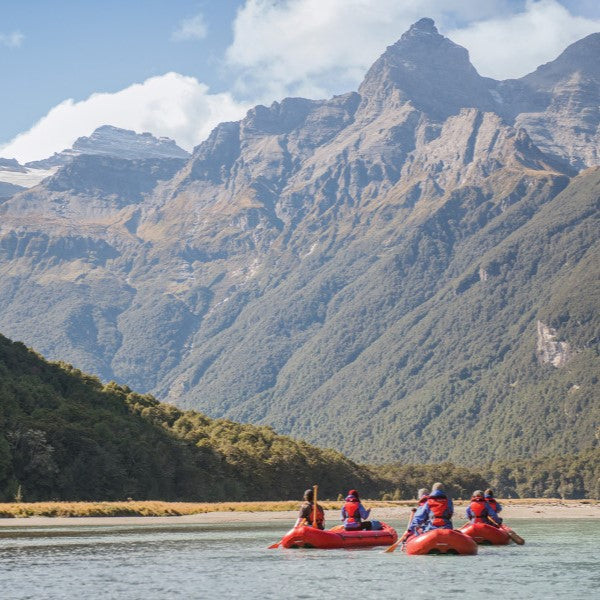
(354, 513)
(489, 498)
(307, 512)
(480, 511)
(435, 513)
(422, 497)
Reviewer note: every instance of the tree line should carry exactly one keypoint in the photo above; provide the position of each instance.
(65, 435)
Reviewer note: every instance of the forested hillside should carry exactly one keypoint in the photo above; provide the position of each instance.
(66, 436)
(503, 360)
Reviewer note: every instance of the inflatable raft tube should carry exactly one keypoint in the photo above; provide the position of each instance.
(338, 537)
(486, 534)
(441, 541)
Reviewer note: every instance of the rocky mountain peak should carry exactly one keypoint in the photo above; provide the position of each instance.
(10, 164)
(428, 70)
(124, 143)
(558, 104)
(118, 143)
(424, 26)
(581, 57)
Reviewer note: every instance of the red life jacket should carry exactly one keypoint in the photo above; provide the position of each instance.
(320, 515)
(438, 511)
(492, 502)
(352, 511)
(422, 500)
(479, 510)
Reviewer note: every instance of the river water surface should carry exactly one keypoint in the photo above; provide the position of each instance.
(561, 559)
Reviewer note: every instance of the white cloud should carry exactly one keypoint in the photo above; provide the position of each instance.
(12, 40)
(517, 44)
(193, 28)
(170, 105)
(310, 48)
(318, 47)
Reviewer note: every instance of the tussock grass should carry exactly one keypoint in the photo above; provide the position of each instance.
(154, 508)
(173, 509)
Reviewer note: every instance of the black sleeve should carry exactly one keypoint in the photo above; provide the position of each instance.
(304, 513)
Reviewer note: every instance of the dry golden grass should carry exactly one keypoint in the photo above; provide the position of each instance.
(166, 509)
(153, 508)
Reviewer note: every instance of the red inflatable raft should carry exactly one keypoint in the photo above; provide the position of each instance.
(441, 541)
(338, 537)
(486, 534)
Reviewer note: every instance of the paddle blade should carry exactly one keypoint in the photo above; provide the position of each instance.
(275, 545)
(396, 544)
(515, 537)
(392, 547)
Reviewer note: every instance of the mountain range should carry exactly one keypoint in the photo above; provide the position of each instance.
(405, 272)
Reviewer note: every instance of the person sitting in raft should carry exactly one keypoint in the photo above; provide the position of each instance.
(489, 498)
(307, 512)
(480, 511)
(422, 498)
(435, 513)
(354, 513)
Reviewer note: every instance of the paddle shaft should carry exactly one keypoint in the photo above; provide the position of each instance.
(405, 535)
(517, 539)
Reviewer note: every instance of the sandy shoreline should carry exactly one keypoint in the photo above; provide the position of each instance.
(513, 509)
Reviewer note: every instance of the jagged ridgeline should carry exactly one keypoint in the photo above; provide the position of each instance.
(406, 272)
(65, 436)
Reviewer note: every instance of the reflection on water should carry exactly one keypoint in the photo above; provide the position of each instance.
(559, 560)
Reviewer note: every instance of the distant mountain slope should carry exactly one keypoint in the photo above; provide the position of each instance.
(64, 435)
(15, 177)
(501, 361)
(367, 271)
(564, 116)
(116, 142)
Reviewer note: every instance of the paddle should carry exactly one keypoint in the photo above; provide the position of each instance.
(314, 518)
(515, 537)
(401, 540)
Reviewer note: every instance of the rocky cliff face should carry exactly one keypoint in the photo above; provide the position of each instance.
(318, 252)
(549, 349)
(559, 104)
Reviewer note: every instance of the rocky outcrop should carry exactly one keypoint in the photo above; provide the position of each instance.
(549, 349)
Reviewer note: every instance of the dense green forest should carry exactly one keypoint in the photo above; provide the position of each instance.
(568, 476)
(66, 436)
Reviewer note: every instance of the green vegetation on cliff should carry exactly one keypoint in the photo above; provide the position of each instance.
(442, 346)
(65, 436)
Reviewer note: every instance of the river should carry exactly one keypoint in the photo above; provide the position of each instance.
(561, 559)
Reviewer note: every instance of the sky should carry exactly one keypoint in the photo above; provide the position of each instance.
(177, 68)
